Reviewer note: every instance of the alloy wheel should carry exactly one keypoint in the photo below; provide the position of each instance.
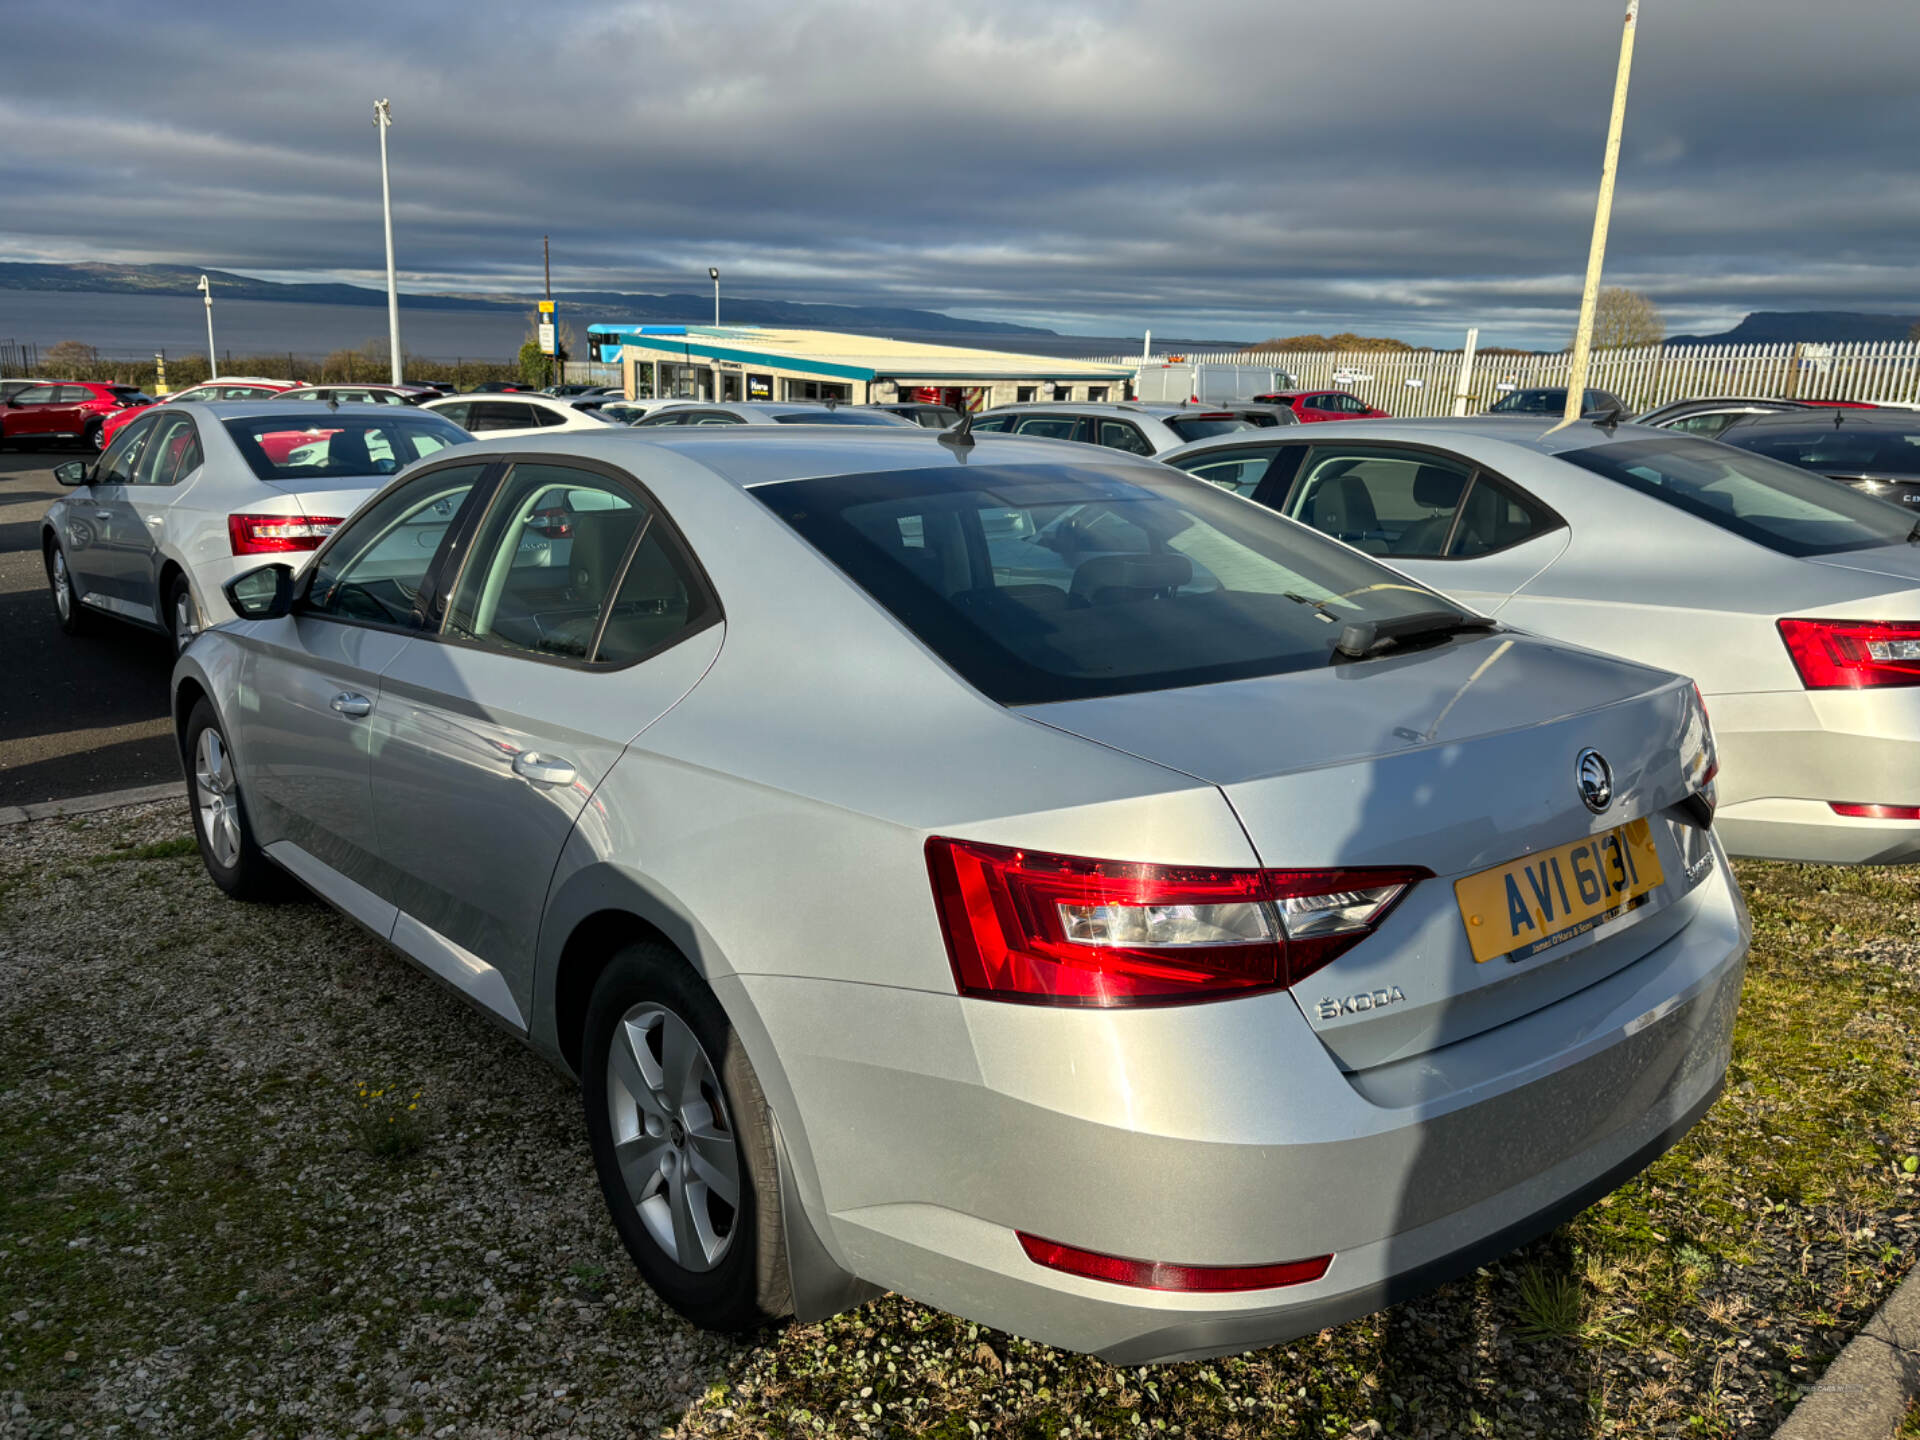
(62, 586)
(672, 1137)
(217, 797)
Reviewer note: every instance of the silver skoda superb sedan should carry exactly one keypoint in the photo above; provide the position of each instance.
(1023, 877)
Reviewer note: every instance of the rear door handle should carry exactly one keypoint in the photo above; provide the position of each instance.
(542, 769)
(352, 705)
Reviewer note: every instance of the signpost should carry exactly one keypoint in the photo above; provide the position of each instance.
(549, 331)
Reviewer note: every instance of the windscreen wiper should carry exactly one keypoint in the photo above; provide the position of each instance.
(1362, 638)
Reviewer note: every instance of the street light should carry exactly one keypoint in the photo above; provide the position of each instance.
(213, 360)
(383, 119)
(713, 274)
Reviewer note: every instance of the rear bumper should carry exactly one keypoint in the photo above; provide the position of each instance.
(1224, 1134)
(1784, 756)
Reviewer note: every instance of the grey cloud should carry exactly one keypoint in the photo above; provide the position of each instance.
(1246, 169)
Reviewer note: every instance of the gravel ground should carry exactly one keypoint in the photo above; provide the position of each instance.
(262, 1178)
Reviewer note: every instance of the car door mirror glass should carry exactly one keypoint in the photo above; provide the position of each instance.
(73, 472)
(262, 594)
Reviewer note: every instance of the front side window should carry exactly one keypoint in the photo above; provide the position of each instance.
(172, 454)
(992, 423)
(1782, 507)
(568, 564)
(35, 395)
(458, 412)
(1380, 500)
(374, 568)
(117, 465)
(1240, 471)
(663, 417)
(340, 445)
(1062, 581)
(1706, 424)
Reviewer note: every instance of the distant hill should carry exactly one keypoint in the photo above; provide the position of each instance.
(579, 305)
(1345, 340)
(1776, 327)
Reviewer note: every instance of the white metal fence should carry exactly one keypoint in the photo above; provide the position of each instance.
(1421, 382)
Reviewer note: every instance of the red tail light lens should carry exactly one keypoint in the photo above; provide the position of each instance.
(1853, 654)
(1875, 812)
(1026, 926)
(277, 534)
(1158, 1275)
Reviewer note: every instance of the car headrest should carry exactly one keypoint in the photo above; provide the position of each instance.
(1097, 579)
(1437, 488)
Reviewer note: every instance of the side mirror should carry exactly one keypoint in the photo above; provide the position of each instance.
(262, 594)
(13, 401)
(72, 472)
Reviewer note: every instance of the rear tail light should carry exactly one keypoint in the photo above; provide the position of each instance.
(1699, 757)
(1853, 654)
(1875, 812)
(1158, 1275)
(1026, 926)
(277, 534)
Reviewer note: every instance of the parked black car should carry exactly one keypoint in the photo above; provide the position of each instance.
(1552, 400)
(1877, 450)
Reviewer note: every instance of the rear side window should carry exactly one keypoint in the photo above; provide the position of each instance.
(307, 448)
(1205, 427)
(1240, 471)
(1048, 427)
(1041, 583)
(1786, 509)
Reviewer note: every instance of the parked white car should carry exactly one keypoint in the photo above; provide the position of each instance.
(521, 412)
(189, 495)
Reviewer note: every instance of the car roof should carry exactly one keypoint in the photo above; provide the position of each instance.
(1828, 417)
(749, 455)
(1079, 407)
(283, 412)
(1531, 432)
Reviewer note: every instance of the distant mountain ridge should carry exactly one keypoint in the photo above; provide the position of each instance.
(579, 305)
(1781, 327)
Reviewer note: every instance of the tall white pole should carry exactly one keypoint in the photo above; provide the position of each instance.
(1602, 214)
(1463, 387)
(213, 358)
(1146, 349)
(715, 273)
(383, 120)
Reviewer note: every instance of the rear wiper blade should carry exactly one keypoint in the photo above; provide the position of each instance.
(1369, 637)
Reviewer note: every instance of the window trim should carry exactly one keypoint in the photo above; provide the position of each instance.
(194, 427)
(445, 569)
(1556, 520)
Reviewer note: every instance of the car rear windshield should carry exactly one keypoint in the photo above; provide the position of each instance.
(322, 447)
(1067, 581)
(839, 417)
(127, 395)
(1204, 427)
(1836, 450)
(1783, 508)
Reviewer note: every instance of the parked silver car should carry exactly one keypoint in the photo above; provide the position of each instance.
(1794, 602)
(188, 495)
(1135, 427)
(768, 412)
(1016, 875)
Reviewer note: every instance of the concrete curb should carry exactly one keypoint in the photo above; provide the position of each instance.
(1866, 1391)
(88, 804)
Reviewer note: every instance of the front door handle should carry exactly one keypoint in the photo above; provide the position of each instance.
(352, 705)
(542, 769)
(103, 514)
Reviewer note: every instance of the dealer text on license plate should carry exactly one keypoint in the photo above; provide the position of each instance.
(1526, 906)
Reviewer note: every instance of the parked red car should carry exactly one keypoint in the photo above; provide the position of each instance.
(1311, 405)
(44, 412)
(228, 387)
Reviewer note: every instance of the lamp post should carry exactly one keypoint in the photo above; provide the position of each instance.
(383, 121)
(1602, 215)
(213, 359)
(713, 274)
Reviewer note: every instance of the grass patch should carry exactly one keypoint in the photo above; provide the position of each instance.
(171, 849)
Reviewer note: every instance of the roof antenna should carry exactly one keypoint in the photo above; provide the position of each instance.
(1838, 414)
(832, 400)
(961, 435)
(333, 400)
(1610, 420)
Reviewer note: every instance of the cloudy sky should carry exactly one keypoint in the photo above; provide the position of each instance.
(1390, 166)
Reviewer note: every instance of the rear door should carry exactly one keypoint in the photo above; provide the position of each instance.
(97, 520)
(577, 620)
(142, 508)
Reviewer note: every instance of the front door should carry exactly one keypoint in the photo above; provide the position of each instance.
(576, 622)
(313, 680)
(31, 413)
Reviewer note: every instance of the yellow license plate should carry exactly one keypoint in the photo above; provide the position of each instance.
(1515, 911)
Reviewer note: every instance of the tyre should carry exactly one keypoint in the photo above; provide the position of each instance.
(237, 864)
(183, 615)
(74, 617)
(683, 1142)
(95, 437)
